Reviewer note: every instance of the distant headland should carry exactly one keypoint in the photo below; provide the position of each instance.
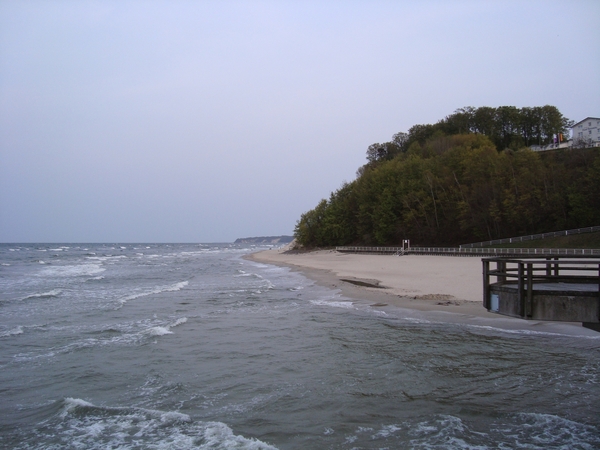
(265, 240)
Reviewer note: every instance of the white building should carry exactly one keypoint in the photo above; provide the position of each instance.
(586, 132)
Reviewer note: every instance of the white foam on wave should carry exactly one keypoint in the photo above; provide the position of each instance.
(521, 430)
(219, 435)
(268, 285)
(15, 331)
(50, 294)
(525, 332)
(157, 290)
(443, 431)
(162, 330)
(242, 273)
(333, 304)
(72, 403)
(386, 431)
(84, 425)
(179, 321)
(4, 264)
(536, 430)
(188, 253)
(159, 331)
(106, 258)
(416, 320)
(72, 271)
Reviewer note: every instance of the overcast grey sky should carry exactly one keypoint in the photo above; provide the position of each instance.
(204, 121)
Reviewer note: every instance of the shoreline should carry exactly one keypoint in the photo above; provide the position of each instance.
(441, 288)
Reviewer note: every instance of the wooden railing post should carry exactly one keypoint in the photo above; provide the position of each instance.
(486, 284)
(529, 304)
(501, 267)
(521, 290)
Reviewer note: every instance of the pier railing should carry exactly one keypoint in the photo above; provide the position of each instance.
(448, 251)
(525, 273)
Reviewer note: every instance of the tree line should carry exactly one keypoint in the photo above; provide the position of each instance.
(452, 186)
(506, 126)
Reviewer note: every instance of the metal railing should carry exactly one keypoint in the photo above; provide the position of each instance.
(533, 237)
(374, 250)
(448, 251)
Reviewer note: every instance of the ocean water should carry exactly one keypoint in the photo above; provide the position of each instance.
(189, 346)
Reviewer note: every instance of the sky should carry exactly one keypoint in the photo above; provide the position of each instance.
(206, 121)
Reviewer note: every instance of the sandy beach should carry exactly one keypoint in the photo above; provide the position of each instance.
(441, 286)
(417, 282)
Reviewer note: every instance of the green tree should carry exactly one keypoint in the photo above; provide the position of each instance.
(437, 187)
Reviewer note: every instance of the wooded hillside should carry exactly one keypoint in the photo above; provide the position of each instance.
(451, 188)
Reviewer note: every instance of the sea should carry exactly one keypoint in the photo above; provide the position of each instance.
(191, 346)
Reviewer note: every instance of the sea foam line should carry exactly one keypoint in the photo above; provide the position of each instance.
(170, 288)
(126, 337)
(73, 403)
(68, 271)
(528, 332)
(49, 294)
(333, 304)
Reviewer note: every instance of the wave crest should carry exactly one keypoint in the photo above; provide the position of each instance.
(15, 331)
(170, 288)
(50, 294)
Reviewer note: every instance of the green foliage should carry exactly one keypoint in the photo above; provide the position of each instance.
(506, 126)
(454, 189)
(447, 183)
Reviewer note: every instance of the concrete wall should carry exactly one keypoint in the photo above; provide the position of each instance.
(548, 305)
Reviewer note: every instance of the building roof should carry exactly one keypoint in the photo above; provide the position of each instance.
(587, 118)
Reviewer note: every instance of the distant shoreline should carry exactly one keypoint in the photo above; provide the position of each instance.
(444, 288)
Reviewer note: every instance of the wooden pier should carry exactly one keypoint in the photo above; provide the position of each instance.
(558, 288)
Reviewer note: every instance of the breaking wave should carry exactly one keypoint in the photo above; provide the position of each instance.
(81, 424)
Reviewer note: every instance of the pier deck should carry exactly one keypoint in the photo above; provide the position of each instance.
(552, 288)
